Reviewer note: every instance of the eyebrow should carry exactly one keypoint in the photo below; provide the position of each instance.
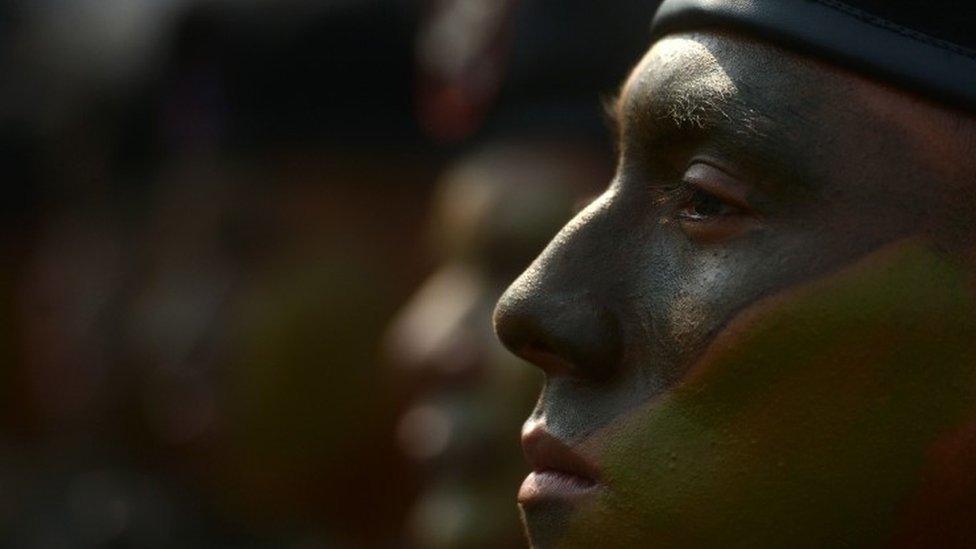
(697, 109)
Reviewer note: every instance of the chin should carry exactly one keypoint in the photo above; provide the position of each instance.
(547, 524)
(569, 525)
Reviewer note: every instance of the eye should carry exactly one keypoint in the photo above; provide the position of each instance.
(714, 206)
(702, 206)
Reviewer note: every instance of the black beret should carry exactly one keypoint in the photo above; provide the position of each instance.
(928, 47)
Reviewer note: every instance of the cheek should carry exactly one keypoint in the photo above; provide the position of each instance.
(700, 298)
(809, 419)
(708, 285)
(700, 289)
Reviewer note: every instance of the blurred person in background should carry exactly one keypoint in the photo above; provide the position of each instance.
(517, 87)
(197, 280)
(494, 211)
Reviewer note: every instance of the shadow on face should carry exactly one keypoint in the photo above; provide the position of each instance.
(750, 179)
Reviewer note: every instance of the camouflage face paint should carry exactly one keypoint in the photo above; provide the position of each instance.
(705, 412)
(814, 419)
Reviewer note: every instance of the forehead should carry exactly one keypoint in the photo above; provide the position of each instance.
(706, 72)
(678, 69)
(780, 106)
(695, 79)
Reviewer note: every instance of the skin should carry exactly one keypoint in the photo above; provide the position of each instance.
(716, 329)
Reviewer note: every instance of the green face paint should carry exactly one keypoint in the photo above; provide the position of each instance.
(811, 420)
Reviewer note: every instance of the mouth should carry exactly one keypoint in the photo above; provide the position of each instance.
(559, 473)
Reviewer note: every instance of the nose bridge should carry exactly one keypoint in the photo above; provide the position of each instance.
(558, 314)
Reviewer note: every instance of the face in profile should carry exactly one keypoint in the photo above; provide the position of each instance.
(762, 334)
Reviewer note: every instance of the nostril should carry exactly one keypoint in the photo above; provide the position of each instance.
(561, 334)
(547, 360)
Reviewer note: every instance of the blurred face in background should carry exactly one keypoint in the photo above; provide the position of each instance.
(494, 212)
(756, 337)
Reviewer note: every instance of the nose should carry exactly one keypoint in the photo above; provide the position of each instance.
(562, 335)
(558, 315)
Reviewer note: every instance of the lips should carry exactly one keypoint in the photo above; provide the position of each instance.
(558, 471)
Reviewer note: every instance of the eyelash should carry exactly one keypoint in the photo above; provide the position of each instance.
(679, 196)
(673, 196)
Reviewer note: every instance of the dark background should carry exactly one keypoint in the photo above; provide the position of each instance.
(213, 210)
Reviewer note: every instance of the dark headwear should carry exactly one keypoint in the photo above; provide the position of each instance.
(928, 47)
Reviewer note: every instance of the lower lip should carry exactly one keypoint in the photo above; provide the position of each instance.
(554, 485)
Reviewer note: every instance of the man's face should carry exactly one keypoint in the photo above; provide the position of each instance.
(745, 176)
